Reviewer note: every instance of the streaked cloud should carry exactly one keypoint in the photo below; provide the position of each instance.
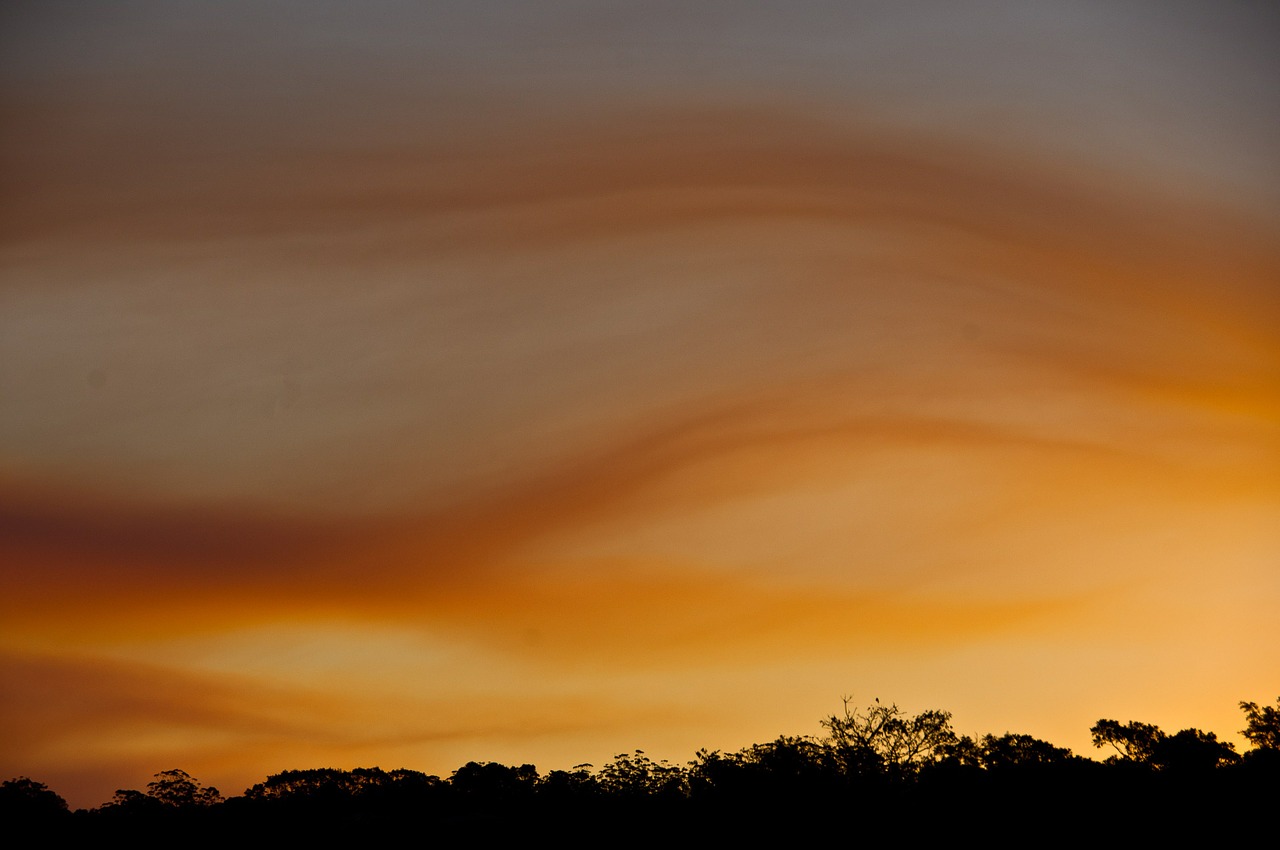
(666, 371)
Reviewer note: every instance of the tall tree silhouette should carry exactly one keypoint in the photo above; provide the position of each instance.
(886, 737)
(1132, 741)
(1263, 729)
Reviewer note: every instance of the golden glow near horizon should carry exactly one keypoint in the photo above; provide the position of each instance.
(409, 388)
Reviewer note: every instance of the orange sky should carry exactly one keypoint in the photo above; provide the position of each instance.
(404, 387)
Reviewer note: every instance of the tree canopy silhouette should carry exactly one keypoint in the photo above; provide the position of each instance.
(1263, 729)
(880, 760)
(23, 798)
(1145, 744)
(886, 737)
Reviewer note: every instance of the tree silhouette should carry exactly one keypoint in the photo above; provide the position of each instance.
(179, 789)
(496, 783)
(1263, 729)
(569, 786)
(636, 775)
(328, 784)
(1132, 741)
(1191, 750)
(1010, 750)
(131, 801)
(1143, 743)
(878, 761)
(25, 799)
(169, 789)
(886, 737)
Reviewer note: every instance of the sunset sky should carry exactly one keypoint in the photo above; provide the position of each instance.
(405, 384)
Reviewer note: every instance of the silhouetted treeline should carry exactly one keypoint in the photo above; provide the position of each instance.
(876, 773)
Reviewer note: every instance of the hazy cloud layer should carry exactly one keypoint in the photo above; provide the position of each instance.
(674, 372)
